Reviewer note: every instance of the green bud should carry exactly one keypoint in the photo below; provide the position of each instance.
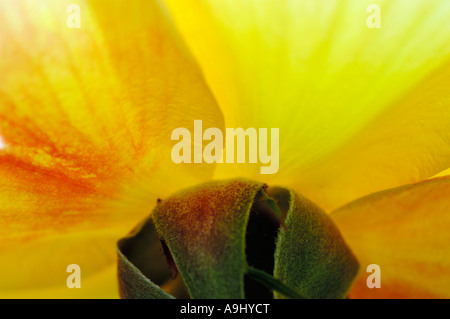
(235, 239)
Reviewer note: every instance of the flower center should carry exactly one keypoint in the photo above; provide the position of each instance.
(236, 239)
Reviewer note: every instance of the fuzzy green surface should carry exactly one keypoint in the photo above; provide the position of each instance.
(311, 255)
(134, 285)
(204, 228)
(137, 257)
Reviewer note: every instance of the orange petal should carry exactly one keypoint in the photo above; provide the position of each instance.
(86, 117)
(406, 232)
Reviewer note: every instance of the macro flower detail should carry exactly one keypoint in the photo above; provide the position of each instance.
(361, 117)
(215, 233)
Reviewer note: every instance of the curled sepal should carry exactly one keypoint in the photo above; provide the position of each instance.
(311, 255)
(204, 229)
(139, 259)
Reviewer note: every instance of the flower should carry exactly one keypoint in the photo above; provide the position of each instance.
(86, 116)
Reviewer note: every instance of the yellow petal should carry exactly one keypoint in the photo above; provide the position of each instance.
(407, 143)
(102, 285)
(406, 232)
(86, 117)
(316, 71)
(37, 267)
(443, 173)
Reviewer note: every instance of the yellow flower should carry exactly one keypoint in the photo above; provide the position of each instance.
(86, 116)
